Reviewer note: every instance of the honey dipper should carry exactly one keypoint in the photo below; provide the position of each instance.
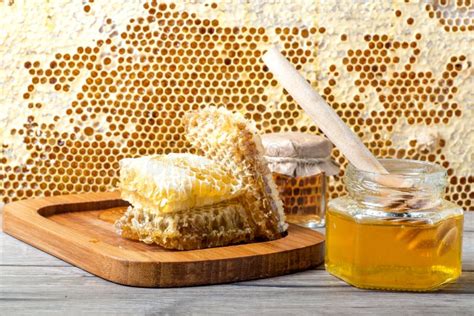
(344, 139)
(338, 132)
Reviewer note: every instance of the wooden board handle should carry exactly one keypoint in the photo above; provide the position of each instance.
(321, 113)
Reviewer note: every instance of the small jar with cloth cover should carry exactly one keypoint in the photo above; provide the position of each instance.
(301, 164)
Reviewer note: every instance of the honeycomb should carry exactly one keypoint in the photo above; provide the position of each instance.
(71, 114)
(174, 182)
(184, 201)
(208, 226)
(454, 16)
(232, 141)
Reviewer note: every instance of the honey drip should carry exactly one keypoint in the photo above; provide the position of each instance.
(111, 215)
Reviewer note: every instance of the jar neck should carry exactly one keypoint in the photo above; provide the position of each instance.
(410, 186)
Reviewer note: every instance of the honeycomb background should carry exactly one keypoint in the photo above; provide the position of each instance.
(86, 83)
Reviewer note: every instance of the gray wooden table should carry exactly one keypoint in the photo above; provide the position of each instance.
(33, 282)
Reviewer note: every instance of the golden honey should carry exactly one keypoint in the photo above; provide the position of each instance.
(304, 198)
(382, 255)
(392, 248)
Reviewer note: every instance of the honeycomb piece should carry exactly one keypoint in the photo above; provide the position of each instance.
(185, 201)
(230, 140)
(174, 182)
(209, 226)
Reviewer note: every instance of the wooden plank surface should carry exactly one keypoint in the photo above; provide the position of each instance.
(34, 282)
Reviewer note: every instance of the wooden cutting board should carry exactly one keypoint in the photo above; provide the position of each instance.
(79, 229)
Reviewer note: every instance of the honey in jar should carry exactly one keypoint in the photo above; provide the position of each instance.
(304, 198)
(395, 238)
(300, 164)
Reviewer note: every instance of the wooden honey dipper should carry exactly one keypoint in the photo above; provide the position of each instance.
(343, 138)
(336, 130)
(325, 117)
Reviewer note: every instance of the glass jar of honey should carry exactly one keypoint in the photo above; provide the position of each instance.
(301, 164)
(304, 198)
(395, 237)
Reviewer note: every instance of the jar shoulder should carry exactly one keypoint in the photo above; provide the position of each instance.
(348, 207)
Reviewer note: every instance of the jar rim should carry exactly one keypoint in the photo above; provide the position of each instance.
(405, 168)
(409, 185)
